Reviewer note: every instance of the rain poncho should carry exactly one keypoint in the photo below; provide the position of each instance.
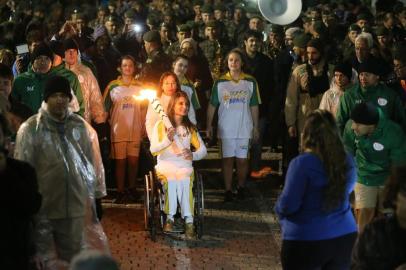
(70, 174)
(92, 98)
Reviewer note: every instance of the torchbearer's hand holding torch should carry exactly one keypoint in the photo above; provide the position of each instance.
(150, 95)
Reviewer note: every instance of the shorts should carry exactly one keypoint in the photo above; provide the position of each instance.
(235, 148)
(368, 196)
(121, 150)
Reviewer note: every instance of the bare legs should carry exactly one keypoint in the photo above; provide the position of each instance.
(242, 171)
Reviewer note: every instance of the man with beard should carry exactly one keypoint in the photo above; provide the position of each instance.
(370, 89)
(306, 87)
(259, 65)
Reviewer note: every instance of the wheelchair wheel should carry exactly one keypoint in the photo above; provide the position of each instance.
(199, 205)
(149, 205)
(161, 205)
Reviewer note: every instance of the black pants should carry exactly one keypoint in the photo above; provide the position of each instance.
(318, 255)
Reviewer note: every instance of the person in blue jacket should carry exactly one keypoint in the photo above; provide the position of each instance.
(318, 227)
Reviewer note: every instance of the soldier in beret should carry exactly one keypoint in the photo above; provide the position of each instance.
(157, 62)
(183, 31)
(275, 42)
(212, 48)
(347, 47)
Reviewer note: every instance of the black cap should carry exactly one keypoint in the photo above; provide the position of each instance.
(183, 28)
(382, 31)
(316, 43)
(370, 65)
(152, 36)
(57, 84)
(354, 27)
(363, 16)
(277, 29)
(301, 40)
(42, 49)
(345, 68)
(57, 48)
(365, 113)
(206, 9)
(70, 43)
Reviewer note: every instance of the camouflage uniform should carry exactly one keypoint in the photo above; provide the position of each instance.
(210, 49)
(173, 49)
(271, 51)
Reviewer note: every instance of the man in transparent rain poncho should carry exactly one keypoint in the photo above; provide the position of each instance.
(64, 150)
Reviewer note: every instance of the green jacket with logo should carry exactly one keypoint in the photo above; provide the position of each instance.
(28, 88)
(376, 153)
(380, 95)
(73, 81)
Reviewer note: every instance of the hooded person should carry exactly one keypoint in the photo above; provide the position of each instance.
(341, 82)
(93, 101)
(64, 150)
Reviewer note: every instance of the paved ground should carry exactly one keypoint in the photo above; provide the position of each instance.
(237, 235)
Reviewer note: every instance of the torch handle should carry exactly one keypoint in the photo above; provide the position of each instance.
(156, 105)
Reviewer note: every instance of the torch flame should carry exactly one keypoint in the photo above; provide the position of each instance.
(148, 94)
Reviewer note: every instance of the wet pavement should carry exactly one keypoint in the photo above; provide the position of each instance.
(237, 235)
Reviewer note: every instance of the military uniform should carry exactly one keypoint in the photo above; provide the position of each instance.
(271, 51)
(210, 49)
(157, 63)
(174, 49)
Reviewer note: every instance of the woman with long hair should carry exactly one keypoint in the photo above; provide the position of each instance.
(168, 85)
(174, 165)
(180, 66)
(318, 227)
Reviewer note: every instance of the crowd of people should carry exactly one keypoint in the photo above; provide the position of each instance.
(328, 91)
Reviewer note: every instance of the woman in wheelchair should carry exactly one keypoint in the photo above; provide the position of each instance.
(174, 165)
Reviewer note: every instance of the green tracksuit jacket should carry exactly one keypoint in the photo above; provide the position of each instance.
(28, 88)
(73, 81)
(380, 95)
(376, 153)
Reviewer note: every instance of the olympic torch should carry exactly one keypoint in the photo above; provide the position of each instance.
(150, 95)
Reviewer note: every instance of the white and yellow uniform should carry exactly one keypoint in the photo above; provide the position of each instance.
(187, 87)
(152, 117)
(234, 99)
(125, 114)
(235, 123)
(176, 173)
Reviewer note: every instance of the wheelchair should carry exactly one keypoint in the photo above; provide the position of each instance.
(154, 201)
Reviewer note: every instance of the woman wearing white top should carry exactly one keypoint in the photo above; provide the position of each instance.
(180, 66)
(236, 94)
(174, 163)
(168, 85)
